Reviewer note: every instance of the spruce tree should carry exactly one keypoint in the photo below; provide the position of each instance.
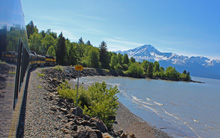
(80, 41)
(150, 70)
(125, 59)
(103, 55)
(88, 43)
(61, 50)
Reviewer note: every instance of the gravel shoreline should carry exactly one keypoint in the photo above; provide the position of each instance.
(40, 121)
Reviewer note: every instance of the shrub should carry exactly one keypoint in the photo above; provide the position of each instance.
(136, 69)
(97, 101)
(40, 75)
(58, 68)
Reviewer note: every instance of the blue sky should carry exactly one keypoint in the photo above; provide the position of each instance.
(186, 27)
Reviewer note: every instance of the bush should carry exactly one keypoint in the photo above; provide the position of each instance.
(97, 101)
(136, 69)
(58, 68)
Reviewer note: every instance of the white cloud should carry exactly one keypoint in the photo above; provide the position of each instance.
(123, 42)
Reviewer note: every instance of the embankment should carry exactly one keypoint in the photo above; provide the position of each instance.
(48, 115)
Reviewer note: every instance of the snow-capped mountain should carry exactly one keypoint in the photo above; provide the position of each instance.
(198, 66)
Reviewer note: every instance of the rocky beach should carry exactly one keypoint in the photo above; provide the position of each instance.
(48, 115)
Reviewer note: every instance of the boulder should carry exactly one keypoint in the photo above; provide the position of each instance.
(77, 110)
(99, 124)
(106, 135)
(124, 135)
(90, 134)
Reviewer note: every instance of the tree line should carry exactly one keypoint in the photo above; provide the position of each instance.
(73, 53)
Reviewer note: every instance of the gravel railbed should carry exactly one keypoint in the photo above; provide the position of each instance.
(39, 120)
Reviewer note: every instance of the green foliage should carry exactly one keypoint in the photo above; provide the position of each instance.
(51, 51)
(35, 44)
(93, 58)
(31, 29)
(65, 91)
(98, 100)
(61, 50)
(59, 68)
(150, 70)
(119, 57)
(136, 69)
(103, 55)
(40, 74)
(156, 67)
(88, 43)
(171, 73)
(125, 59)
(145, 64)
(72, 53)
(80, 41)
(103, 102)
(118, 67)
(114, 61)
(48, 41)
(132, 60)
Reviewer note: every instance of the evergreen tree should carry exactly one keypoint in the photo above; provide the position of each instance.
(88, 43)
(61, 50)
(188, 78)
(80, 41)
(72, 59)
(31, 29)
(125, 59)
(43, 34)
(103, 54)
(150, 70)
(184, 72)
(119, 56)
(132, 60)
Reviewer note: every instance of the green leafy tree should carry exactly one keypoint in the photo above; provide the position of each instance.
(136, 69)
(119, 56)
(48, 41)
(61, 50)
(35, 44)
(171, 73)
(51, 51)
(103, 54)
(114, 61)
(145, 64)
(93, 58)
(156, 67)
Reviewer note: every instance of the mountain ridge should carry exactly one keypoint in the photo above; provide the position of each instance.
(197, 65)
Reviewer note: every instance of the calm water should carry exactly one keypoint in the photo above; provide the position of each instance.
(178, 108)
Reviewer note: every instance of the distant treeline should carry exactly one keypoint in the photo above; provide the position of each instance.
(73, 53)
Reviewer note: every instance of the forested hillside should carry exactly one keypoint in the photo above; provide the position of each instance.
(84, 53)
